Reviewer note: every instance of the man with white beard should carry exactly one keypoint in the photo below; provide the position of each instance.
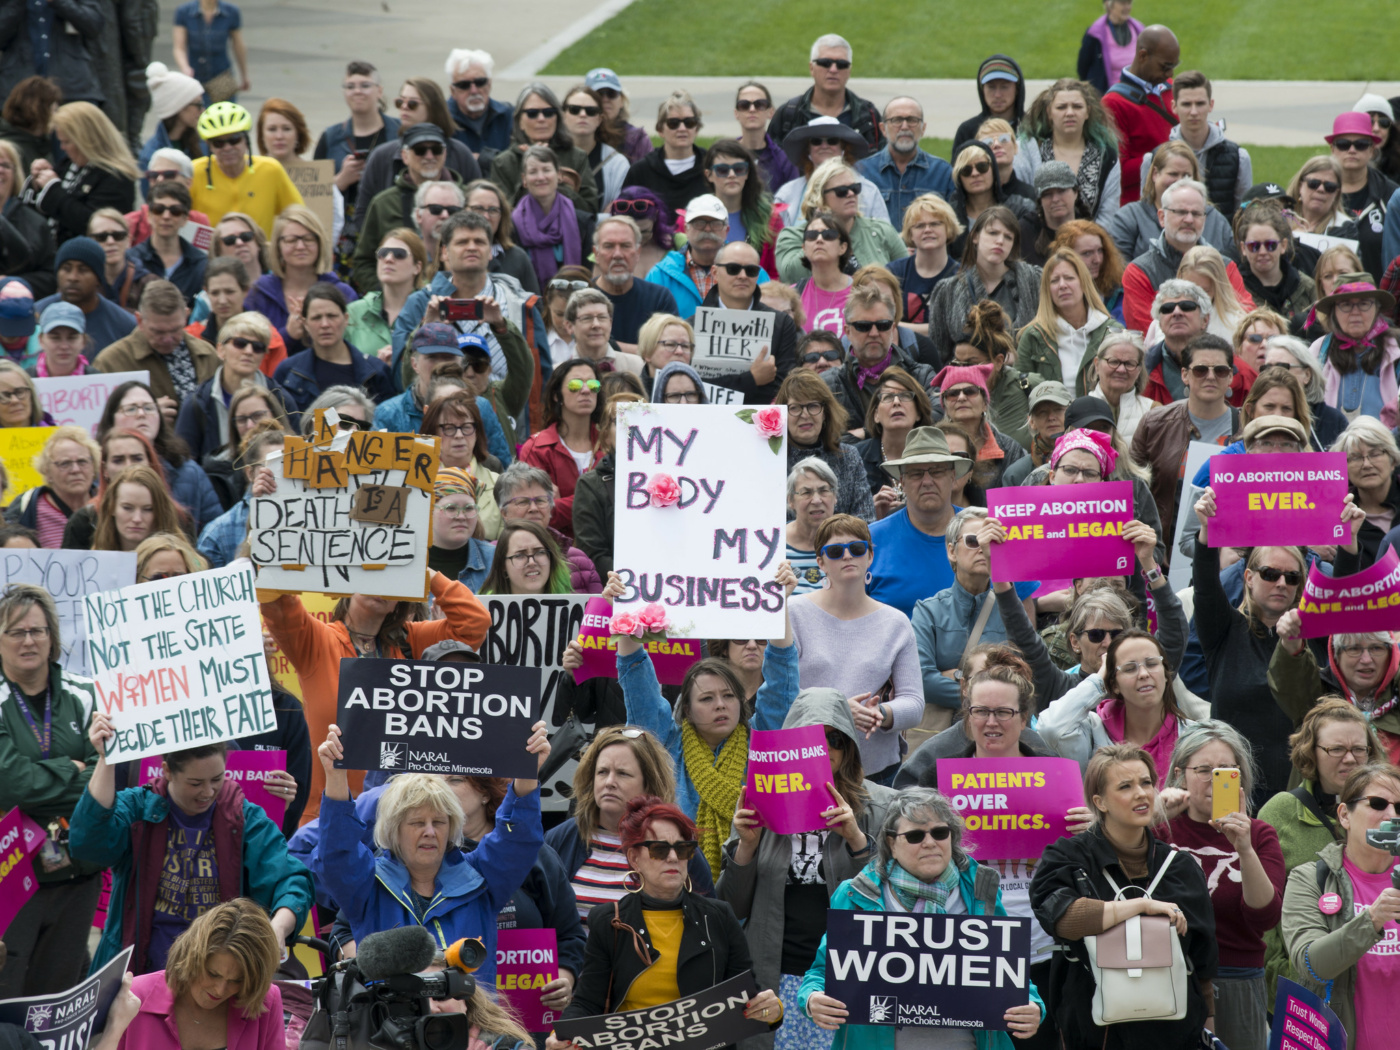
(689, 273)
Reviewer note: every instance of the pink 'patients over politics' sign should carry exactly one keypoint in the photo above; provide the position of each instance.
(20, 839)
(1062, 531)
(248, 769)
(526, 961)
(1283, 499)
(1013, 807)
(671, 658)
(788, 773)
(1366, 601)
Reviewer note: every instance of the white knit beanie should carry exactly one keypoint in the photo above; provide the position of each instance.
(170, 91)
(1372, 103)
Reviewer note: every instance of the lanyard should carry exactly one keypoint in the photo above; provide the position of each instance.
(46, 738)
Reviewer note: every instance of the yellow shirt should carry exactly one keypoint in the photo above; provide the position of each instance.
(657, 983)
(262, 191)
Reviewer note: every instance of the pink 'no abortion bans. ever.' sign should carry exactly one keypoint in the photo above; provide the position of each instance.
(1284, 499)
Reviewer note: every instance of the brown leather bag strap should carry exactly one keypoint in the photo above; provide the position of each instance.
(638, 945)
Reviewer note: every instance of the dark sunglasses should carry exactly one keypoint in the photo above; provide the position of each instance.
(409, 104)
(162, 176)
(1186, 306)
(940, 834)
(583, 111)
(981, 167)
(822, 355)
(109, 235)
(747, 269)
(423, 149)
(837, 741)
(225, 141)
(1325, 185)
(682, 122)
(392, 253)
(350, 423)
(758, 105)
(642, 208)
(660, 850)
(230, 239)
(1272, 575)
(1382, 121)
(1098, 634)
(168, 209)
(851, 189)
(1345, 145)
(837, 551)
(608, 94)
(825, 140)
(824, 235)
(534, 113)
(864, 326)
(740, 167)
(442, 209)
(1377, 803)
(1268, 246)
(833, 63)
(239, 343)
(478, 364)
(171, 575)
(474, 82)
(1219, 371)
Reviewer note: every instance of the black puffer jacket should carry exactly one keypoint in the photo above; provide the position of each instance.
(676, 190)
(27, 248)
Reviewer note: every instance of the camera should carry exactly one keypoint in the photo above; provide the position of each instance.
(1387, 837)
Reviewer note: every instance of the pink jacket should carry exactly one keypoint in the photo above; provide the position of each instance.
(154, 1027)
(1390, 389)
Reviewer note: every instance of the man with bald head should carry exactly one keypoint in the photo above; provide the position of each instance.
(1141, 104)
(737, 275)
(902, 170)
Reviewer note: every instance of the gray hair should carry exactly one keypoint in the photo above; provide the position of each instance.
(520, 475)
(956, 527)
(1180, 288)
(540, 153)
(1170, 193)
(1101, 602)
(1348, 641)
(585, 297)
(182, 163)
(1315, 388)
(462, 57)
(831, 40)
(420, 195)
(626, 220)
(919, 805)
(1196, 735)
(335, 397)
(811, 465)
(1368, 430)
(1126, 337)
(18, 599)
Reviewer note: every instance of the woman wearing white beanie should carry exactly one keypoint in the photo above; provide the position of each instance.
(177, 101)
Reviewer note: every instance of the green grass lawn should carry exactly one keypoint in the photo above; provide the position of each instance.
(1229, 39)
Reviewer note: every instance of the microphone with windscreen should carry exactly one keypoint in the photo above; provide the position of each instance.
(389, 953)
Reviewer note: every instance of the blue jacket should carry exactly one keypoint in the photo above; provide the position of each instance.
(670, 274)
(375, 892)
(221, 538)
(403, 414)
(198, 421)
(339, 139)
(925, 174)
(480, 555)
(188, 275)
(941, 628)
(297, 376)
(491, 133)
(866, 893)
(191, 488)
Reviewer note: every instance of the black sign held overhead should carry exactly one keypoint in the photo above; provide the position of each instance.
(705, 1021)
(417, 716)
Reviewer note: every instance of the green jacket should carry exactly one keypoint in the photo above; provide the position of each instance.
(48, 788)
(1011, 405)
(1041, 361)
(872, 241)
(1325, 947)
(1298, 684)
(369, 328)
(388, 210)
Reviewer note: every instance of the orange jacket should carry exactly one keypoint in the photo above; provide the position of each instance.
(315, 650)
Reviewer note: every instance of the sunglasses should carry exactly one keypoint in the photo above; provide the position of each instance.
(392, 253)
(575, 385)
(474, 82)
(109, 235)
(239, 343)
(1271, 575)
(583, 111)
(608, 94)
(423, 149)
(837, 741)
(682, 122)
(1186, 306)
(725, 170)
(1377, 803)
(822, 355)
(1268, 246)
(230, 239)
(837, 551)
(833, 63)
(409, 104)
(442, 209)
(1098, 634)
(864, 326)
(1325, 185)
(851, 189)
(561, 285)
(225, 141)
(660, 850)
(758, 105)
(957, 393)
(980, 167)
(542, 112)
(1346, 145)
(162, 176)
(940, 834)
(1382, 121)
(642, 208)
(747, 269)
(1219, 371)
(825, 140)
(824, 235)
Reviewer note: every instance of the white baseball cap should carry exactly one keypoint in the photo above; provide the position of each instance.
(706, 206)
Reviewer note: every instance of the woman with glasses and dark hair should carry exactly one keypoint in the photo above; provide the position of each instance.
(455, 418)
(897, 405)
(240, 236)
(826, 252)
(539, 121)
(815, 423)
(564, 449)
(733, 173)
(226, 286)
(401, 268)
(486, 199)
(1272, 275)
(527, 561)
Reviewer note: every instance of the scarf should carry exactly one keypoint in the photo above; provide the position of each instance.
(990, 449)
(1113, 713)
(718, 781)
(864, 375)
(552, 240)
(909, 891)
(1360, 346)
(41, 366)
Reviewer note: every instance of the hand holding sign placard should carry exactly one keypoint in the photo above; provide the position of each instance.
(787, 777)
(1083, 523)
(1278, 499)
(704, 1021)
(728, 341)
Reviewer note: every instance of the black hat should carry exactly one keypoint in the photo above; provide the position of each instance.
(424, 132)
(1085, 410)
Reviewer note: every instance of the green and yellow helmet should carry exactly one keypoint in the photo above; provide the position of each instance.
(224, 118)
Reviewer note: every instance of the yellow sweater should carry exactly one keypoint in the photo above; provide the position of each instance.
(262, 191)
(657, 983)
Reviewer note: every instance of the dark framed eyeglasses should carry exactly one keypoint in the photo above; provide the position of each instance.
(682, 122)
(660, 850)
(864, 326)
(641, 209)
(1325, 185)
(409, 104)
(1272, 575)
(1378, 803)
(471, 82)
(582, 111)
(837, 741)
(940, 834)
(225, 141)
(424, 149)
(1346, 145)
(747, 269)
(832, 63)
(1186, 306)
(540, 112)
(390, 252)
(239, 343)
(822, 355)
(1268, 246)
(723, 171)
(837, 551)
(440, 210)
(758, 105)
(977, 167)
(230, 239)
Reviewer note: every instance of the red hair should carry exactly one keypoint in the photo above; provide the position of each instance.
(494, 788)
(644, 811)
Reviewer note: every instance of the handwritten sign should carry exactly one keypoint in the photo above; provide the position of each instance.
(788, 773)
(20, 839)
(1304, 1021)
(703, 1021)
(700, 520)
(727, 341)
(315, 181)
(18, 447)
(69, 576)
(1366, 601)
(721, 395)
(179, 662)
(670, 658)
(1013, 807)
(248, 769)
(380, 504)
(1062, 531)
(78, 401)
(526, 961)
(69, 1020)
(1278, 499)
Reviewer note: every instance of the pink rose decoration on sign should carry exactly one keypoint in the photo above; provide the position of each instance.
(654, 619)
(769, 421)
(626, 623)
(663, 490)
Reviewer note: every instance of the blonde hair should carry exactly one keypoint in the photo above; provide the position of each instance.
(302, 216)
(408, 792)
(816, 185)
(36, 411)
(996, 126)
(1328, 163)
(968, 155)
(1206, 261)
(43, 459)
(1174, 148)
(650, 333)
(1353, 265)
(1047, 318)
(247, 325)
(1102, 762)
(239, 927)
(97, 138)
(159, 542)
(932, 206)
(7, 148)
(1256, 555)
(111, 215)
(658, 773)
(788, 294)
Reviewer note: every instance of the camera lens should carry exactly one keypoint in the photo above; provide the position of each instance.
(442, 1031)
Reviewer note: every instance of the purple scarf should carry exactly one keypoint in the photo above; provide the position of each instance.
(540, 234)
(865, 375)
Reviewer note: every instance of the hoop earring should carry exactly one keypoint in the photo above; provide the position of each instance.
(688, 887)
(626, 883)
(868, 577)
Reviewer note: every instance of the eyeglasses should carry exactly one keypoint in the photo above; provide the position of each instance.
(583, 111)
(747, 269)
(1325, 185)
(538, 554)
(239, 343)
(978, 167)
(914, 475)
(132, 411)
(1087, 473)
(1272, 445)
(575, 385)
(904, 122)
(423, 149)
(24, 634)
(739, 167)
(392, 253)
(1354, 306)
(351, 423)
(1375, 652)
(821, 491)
(1376, 802)
(73, 464)
(940, 834)
(1121, 365)
(1341, 751)
(825, 140)
(1098, 634)
(231, 239)
(159, 576)
(682, 122)
(987, 714)
(957, 393)
(837, 551)
(608, 94)
(1382, 121)
(295, 241)
(109, 235)
(457, 510)
(409, 104)
(471, 82)
(168, 209)
(897, 397)
(440, 210)
(851, 189)
(540, 113)
(1272, 575)
(1187, 213)
(1268, 246)
(225, 141)
(832, 63)
(453, 430)
(1219, 371)
(1150, 664)
(660, 849)
(676, 346)
(811, 408)
(359, 85)
(822, 235)
(642, 208)
(251, 418)
(1186, 306)
(1346, 145)
(534, 502)
(1368, 455)
(162, 176)
(822, 355)
(690, 397)
(1204, 771)
(864, 327)
(758, 105)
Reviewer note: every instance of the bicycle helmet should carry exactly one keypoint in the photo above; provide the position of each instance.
(223, 118)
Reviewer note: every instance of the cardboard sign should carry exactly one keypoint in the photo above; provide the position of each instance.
(788, 773)
(315, 181)
(69, 576)
(18, 447)
(935, 971)
(249, 770)
(1365, 601)
(179, 662)
(1278, 499)
(380, 504)
(1302, 1021)
(1063, 531)
(707, 1020)
(670, 658)
(304, 537)
(421, 716)
(78, 401)
(700, 518)
(526, 961)
(68, 1020)
(20, 839)
(728, 341)
(1013, 807)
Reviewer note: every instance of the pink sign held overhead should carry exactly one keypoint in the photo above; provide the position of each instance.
(526, 961)
(18, 883)
(1062, 531)
(1280, 499)
(1366, 601)
(248, 769)
(1013, 807)
(788, 773)
(671, 657)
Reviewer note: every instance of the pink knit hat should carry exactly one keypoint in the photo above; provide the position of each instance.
(977, 375)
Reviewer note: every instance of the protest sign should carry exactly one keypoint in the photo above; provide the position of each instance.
(788, 773)
(937, 971)
(1013, 807)
(727, 341)
(68, 1020)
(1365, 601)
(201, 236)
(315, 181)
(303, 536)
(248, 769)
(526, 961)
(1321, 241)
(422, 716)
(1278, 499)
(722, 395)
(704, 1021)
(1303, 1021)
(700, 518)
(1083, 525)
(78, 401)
(20, 839)
(179, 662)
(671, 658)
(18, 447)
(68, 576)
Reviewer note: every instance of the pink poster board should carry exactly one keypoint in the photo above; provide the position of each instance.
(671, 657)
(788, 773)
(1062, 531)
(1013, 807)
(526, 961)
(1366, 601)
(248, 769)
(20, 839)
(1283, 498)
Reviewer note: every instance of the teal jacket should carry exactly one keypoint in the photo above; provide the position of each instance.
(977, 883)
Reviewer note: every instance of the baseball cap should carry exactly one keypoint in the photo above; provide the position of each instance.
(436, 337)
(1085, 410)
(706, 206)
(470, 342)
(1267, 191)
(998, 69)
(1262, 425)
(16, 308)
(424, 132)
(603, 77)
(1049, 390)
(1054, 175)
(62, 315)
(441, 650)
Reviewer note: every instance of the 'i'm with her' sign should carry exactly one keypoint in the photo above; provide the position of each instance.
(700, 518)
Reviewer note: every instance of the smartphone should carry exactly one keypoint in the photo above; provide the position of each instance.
(360, 154)
(1224, 793)
(461, 309)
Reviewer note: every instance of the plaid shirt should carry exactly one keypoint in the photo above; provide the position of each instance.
(221, 538)
(704, 277)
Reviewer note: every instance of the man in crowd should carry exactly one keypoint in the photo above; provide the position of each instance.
(1002, 91)
(874, 339)
(902, 170)
(433, 344)
(737, 277)
(1182, 311)
(176, 360)
(1139, 106)
(483, 123)
(689, 273)
(830, 66)
(1225, 166)
(80, 264)
(165, 251)
(432, 203)
(1046, 422)
(230, 178)
(423, 150)
(18, 320)
(617, 244)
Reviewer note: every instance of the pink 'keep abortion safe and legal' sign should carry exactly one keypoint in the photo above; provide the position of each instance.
(670, 658)
(526, 961)
(1283, 499)
(1366, 601)
(1062, 531)
(788, 773)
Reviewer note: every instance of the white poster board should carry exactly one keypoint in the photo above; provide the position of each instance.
(69, 576)
(700, 519)
(727, 341)
(722, 395)
(1197, 453)
(79, 400)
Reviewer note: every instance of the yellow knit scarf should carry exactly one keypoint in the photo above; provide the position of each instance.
(718, 781)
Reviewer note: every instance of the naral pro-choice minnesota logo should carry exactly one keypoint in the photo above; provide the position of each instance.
(390, 755)
(883, 1009)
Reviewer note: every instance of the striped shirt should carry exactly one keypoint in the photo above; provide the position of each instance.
(600, 880)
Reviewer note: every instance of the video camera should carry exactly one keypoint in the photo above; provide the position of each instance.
(381, 999)
(1387, 837)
